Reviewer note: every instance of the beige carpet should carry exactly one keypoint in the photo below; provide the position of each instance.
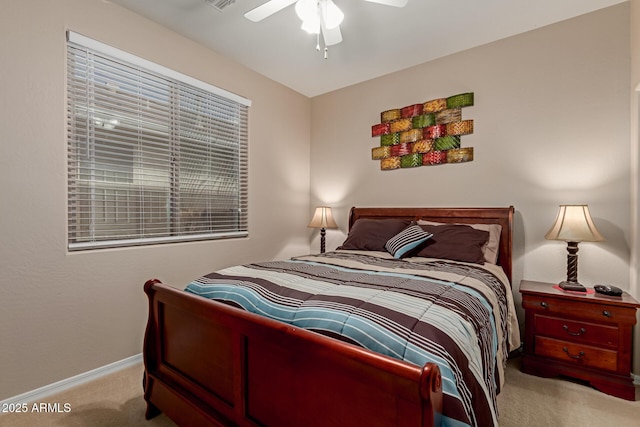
(112, 401)
(527, 400)
(116, 401)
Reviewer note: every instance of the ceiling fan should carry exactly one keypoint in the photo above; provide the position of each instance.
(318, 16)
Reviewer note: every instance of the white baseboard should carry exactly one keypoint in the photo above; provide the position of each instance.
(43, 393)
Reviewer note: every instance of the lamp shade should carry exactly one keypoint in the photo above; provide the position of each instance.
(322, 218)
(574, 224)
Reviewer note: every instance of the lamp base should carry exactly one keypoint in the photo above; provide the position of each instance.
(572, 286)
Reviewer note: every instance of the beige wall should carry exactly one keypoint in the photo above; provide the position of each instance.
(551, 126)
(63, 314)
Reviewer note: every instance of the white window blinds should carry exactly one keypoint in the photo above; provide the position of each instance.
(153, 156)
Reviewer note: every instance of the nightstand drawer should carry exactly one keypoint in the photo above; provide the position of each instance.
(577, 331)
(580, 310)
(580, 354)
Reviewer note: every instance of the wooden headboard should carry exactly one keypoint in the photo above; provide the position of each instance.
(502, 216)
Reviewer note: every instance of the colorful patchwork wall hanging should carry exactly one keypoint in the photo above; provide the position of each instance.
(423, 134)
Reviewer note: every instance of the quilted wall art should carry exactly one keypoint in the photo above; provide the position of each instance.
(423, 134)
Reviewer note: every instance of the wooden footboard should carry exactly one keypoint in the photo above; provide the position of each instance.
(207, 363)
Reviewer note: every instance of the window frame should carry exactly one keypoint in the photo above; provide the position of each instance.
(175, 230)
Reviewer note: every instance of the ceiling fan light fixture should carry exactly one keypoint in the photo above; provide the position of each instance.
(331, 14)
(319, 17)
(311, 25)
(307, 9)
(311, 12)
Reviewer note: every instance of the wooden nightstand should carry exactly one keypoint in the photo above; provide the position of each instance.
(584, 336)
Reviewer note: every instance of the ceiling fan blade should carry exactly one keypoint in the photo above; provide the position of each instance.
(331, 36)
(395, 3)
(267, 9)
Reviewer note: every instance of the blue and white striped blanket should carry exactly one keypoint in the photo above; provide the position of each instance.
(458, 315)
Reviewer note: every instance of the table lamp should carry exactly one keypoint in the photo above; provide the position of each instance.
(573, 225)
(322, 219)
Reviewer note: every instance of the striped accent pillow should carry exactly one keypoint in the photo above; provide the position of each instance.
(407, 240)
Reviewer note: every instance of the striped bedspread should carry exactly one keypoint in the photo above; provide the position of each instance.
(420, 310)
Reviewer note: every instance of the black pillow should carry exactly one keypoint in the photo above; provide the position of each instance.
(455, 242)
(372, 234)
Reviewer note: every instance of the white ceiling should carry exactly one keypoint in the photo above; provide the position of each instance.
(377, 39)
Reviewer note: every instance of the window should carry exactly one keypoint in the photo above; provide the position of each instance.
(153, 155)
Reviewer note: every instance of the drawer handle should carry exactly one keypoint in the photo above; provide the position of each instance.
(577, 356)
(575, 334)
(606, 313)
(544, 304)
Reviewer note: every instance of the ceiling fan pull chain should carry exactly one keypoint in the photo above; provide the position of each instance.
(318, 42)
(326, 52)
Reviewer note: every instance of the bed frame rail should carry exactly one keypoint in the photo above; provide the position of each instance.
(210, 364)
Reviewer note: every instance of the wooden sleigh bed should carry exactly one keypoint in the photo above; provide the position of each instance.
(208, 363)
